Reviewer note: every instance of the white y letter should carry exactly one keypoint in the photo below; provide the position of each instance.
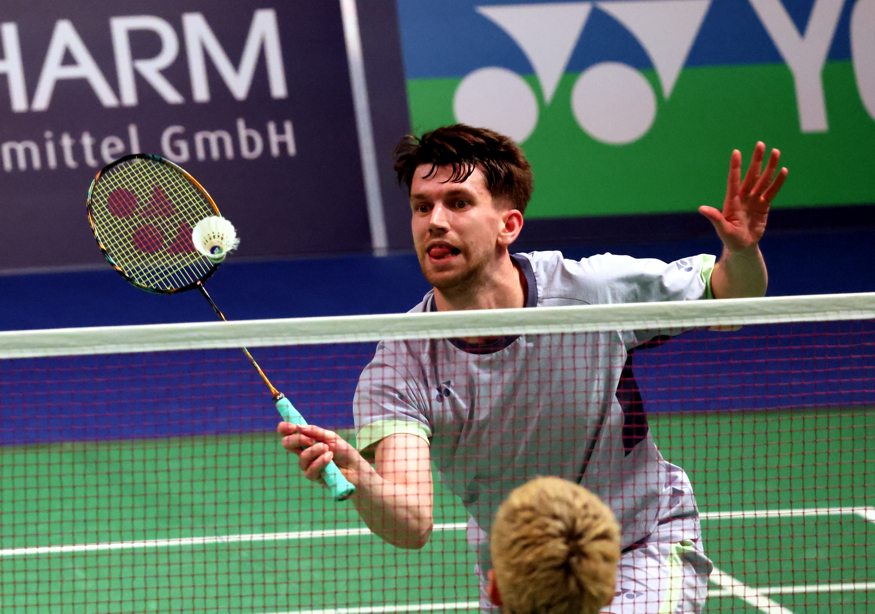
(863, 51)
(805, 55)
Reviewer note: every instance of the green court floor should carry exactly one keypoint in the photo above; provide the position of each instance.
(225, 524)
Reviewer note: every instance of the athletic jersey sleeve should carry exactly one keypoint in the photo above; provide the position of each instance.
(639, 280)
(608, 279)
(389, 399)
(612, 279)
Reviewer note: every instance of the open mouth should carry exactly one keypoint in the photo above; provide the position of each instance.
(441, 251)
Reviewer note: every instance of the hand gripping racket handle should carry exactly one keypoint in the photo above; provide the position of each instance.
(340, 487)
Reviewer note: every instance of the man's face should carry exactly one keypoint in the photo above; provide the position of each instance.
(457, 228)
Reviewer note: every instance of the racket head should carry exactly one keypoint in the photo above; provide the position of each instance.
(142, 209)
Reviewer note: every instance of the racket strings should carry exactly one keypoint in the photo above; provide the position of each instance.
(143, 212)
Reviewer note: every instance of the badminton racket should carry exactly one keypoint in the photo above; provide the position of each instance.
(158, 228)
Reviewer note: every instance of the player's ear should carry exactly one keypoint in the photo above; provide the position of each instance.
(492, 588)
(512, 224)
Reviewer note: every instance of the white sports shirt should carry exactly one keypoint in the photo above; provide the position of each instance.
(541, 404)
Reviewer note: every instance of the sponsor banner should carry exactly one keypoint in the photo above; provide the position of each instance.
(633, 107)
(254, 100)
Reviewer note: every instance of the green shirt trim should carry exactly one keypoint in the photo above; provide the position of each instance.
(371, 433)
(708, 263)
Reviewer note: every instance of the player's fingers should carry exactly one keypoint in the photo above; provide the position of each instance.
(317, 467)
(763, 182)
(725, 328)
(297, 443)
(776, 185)
(754, 168)
(307, 433)
(734, 178)
(717, 220)
(311, 453)
(317, 432)
(286, 428)
(314, 459)
(713, 215)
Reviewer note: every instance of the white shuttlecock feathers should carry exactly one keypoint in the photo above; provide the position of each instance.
(214, 237)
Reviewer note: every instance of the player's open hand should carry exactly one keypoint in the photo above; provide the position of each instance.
(742, 222)
(316, 447)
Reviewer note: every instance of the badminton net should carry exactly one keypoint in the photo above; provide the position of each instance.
(140, 470)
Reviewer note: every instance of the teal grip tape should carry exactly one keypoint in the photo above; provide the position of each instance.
(340, 487)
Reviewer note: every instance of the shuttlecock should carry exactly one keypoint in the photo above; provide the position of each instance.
(214, 237)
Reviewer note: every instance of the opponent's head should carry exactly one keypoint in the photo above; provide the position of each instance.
(555, 548)
(463, 148)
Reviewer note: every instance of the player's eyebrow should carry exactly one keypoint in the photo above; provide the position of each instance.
(453, 192)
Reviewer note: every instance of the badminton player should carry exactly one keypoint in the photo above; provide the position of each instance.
(493, 413)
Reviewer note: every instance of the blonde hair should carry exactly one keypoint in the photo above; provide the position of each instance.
(555, 547)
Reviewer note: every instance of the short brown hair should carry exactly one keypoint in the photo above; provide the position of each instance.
(464, 148)
(555, 548)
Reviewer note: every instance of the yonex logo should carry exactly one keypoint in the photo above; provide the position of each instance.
(443, 391)
(150, 238)
(613, 102)
(610, 101)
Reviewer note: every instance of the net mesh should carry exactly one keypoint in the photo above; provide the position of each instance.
(140, 470)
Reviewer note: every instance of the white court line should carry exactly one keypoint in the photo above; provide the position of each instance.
(813, 512)
(722, 592)
(729, 586)
(730, 591)
(203, 541)
(801, 589)
(380, 609)
(752, 596)
(867, 513)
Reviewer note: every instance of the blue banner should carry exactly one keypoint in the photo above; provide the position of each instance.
(254, 100)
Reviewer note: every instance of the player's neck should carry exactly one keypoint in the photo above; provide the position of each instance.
(503, 290)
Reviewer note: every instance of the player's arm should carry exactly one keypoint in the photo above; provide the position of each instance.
(741, 270)
(394, 498)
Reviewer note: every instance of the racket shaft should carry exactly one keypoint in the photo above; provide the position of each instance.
(340, 487)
